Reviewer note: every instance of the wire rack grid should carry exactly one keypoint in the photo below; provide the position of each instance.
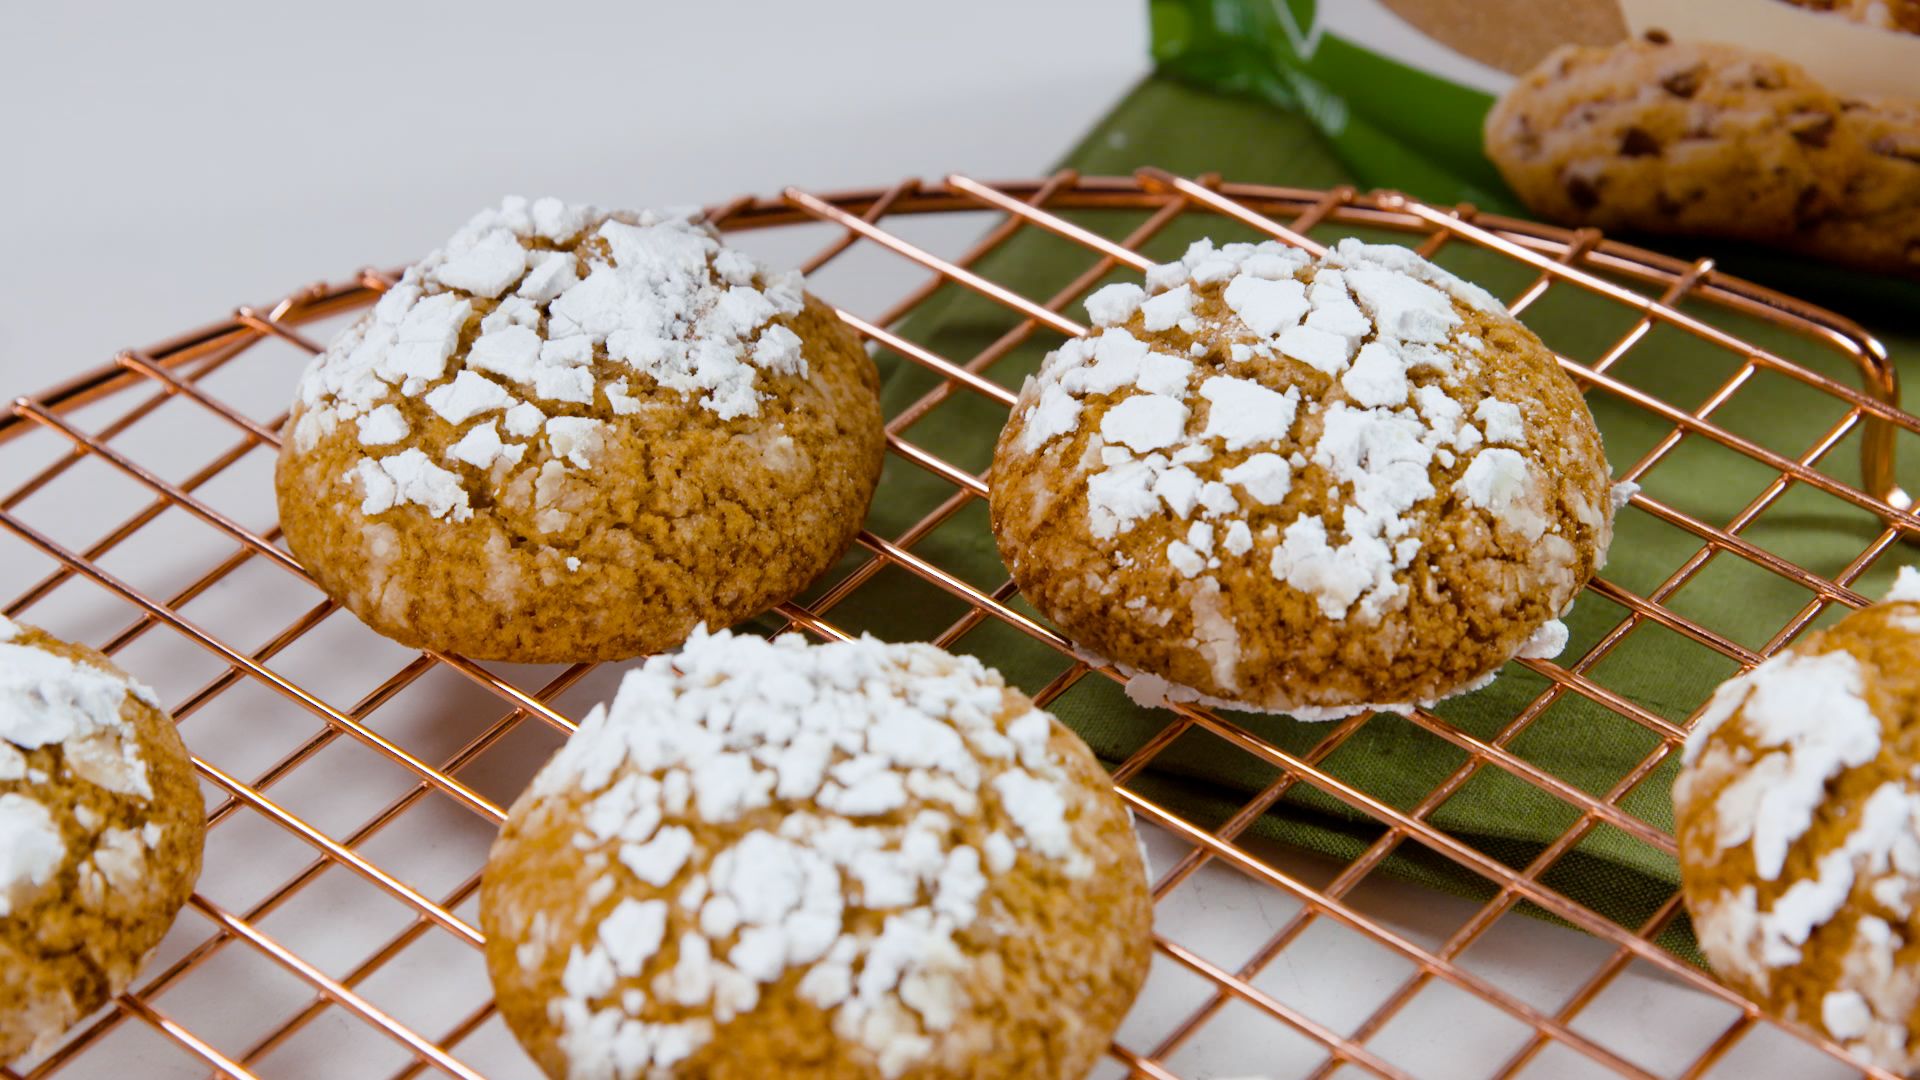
(93, 431)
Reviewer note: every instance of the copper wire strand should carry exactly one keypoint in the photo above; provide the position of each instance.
(1582, 260)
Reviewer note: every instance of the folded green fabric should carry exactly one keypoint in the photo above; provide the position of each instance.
(1589, 746)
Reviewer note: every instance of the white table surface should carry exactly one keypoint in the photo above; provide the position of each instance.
(160, 169)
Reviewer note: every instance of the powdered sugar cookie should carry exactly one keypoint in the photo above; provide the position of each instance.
(766, 858)
(101, 827)
(574, 435)
(1797, 813)
(1304, 486)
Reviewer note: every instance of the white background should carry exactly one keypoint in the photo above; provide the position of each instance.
(158, 169)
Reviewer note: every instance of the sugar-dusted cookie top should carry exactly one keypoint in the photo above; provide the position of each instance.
(1303, 485)
(532, 315)
(101, 828)
(566, 409)
(1797, 812)
(853, 859)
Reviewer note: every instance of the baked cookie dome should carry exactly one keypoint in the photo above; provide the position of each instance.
(857, 859)
(1305, 486)
(1797, 812)
(101, 828)
(575, 434)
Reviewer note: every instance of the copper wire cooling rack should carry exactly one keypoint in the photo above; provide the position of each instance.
(353, 786)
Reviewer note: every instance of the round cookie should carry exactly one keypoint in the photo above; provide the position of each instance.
(847, 860)
(573, 435)
(101, 828)
(1307, 486)
(1674, 137)
(1797, 812)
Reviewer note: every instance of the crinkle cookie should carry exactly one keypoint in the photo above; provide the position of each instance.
(101, 827)
(1798, 819)
(1710, 139)
(1305, 486)
(857, 859)
(575, 434)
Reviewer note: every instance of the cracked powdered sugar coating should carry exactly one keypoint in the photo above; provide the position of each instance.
(655, 295)
(30, 849)
(47, 699)
(1369, 441)
(1906, 586)
(101, 825)
(500, 470)
(1797, 814)
(1807, 714)
(1354, 426)
(833, 812)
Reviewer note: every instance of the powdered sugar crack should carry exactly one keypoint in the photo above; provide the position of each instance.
(652, 294)
(1802, 729)
(879, 756)
(1368, 316)
(50, 700)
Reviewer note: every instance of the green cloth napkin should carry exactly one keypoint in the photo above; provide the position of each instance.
(1207, 780)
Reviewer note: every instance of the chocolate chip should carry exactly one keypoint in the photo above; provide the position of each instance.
(1894, 146)
(1635, 142)
(1806, 206)
(1811, 128)
(1684, 83)
(1582, 192)
(1658, 36)
(1667, 205)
